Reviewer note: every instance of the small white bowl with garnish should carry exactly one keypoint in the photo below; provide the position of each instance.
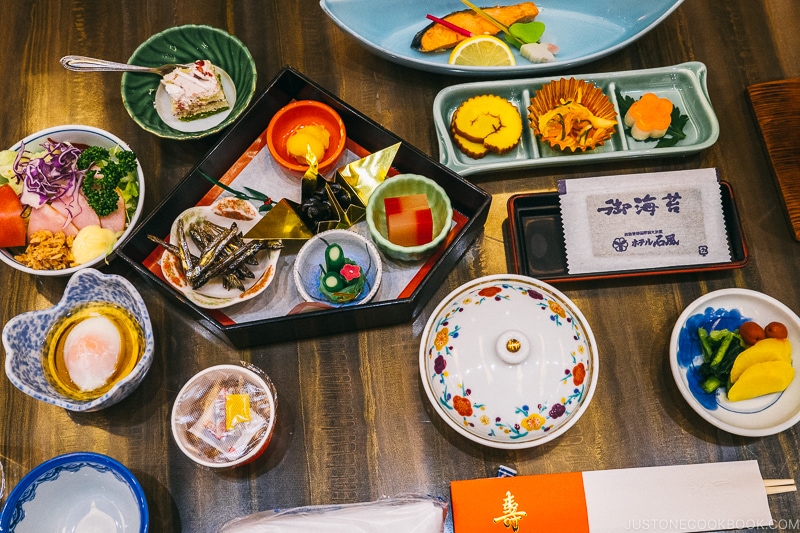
(66, 209)
(313, 265)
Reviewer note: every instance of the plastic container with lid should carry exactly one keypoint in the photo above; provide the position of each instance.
(224, 416)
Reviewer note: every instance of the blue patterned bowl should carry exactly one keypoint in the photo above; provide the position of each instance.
(77, 492)
(24, 335)
(508, 361)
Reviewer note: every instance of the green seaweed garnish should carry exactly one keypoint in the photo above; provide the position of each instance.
(676, 126)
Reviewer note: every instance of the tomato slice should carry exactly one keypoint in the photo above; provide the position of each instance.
(12, 225)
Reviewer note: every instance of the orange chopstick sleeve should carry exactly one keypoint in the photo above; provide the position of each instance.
(523, 504)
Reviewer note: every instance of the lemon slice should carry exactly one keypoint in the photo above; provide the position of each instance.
(482, 51)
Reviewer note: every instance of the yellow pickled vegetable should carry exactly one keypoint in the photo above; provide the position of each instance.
(313, 136)
(760, 379)
(762, 351)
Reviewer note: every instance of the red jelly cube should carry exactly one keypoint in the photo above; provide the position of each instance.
(409, 220)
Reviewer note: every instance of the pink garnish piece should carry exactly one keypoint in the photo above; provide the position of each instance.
(350, 272)
(450, 25)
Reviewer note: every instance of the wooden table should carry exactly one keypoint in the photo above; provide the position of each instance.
(354, 422)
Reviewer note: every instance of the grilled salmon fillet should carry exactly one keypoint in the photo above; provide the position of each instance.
(436, 38)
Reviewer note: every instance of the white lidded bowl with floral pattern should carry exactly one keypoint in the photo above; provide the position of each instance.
(508, 361)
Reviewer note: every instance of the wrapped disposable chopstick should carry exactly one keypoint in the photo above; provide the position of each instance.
(681, 498)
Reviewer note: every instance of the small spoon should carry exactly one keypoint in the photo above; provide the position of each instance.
(90, 64)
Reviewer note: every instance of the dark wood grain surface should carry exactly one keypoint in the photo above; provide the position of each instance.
(354, 423)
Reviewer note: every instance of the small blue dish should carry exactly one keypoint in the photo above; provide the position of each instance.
(80, 491)
(24, 336)
(311, 257)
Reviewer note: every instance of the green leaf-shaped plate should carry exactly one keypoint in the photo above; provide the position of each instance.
(186, 44)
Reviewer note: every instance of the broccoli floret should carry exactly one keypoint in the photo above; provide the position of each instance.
(102, 199)
(92, 154)
(126, 160)
(114, 165)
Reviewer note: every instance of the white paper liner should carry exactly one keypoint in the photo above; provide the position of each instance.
(263, 174)
(643, 221)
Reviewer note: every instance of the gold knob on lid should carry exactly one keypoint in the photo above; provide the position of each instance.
(512, 347)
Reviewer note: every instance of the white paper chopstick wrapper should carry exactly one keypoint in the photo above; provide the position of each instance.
(401, 514)
(641, 221)
(683, 498)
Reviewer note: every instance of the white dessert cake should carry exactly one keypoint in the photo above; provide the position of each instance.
(195, 91)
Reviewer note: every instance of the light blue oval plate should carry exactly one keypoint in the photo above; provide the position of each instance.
(584, 30)
(684, 85)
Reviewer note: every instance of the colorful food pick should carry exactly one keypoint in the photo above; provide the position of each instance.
(409, 220)
(341, 280)
(326, 204)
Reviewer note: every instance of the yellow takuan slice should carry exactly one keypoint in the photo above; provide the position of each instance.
(760, 379)
(762, 351)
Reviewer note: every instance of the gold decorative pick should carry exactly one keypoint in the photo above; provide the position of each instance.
(367, 173)
(359, 179)
(281, 222)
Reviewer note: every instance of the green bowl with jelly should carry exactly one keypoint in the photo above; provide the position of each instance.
(402, 185)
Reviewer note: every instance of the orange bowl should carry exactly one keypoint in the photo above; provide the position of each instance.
(296, 115)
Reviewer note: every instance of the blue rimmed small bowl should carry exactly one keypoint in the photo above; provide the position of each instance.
(24, 336)
(80, 491)
(76, 134)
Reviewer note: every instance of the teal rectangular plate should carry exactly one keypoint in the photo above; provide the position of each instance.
(684, 84)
